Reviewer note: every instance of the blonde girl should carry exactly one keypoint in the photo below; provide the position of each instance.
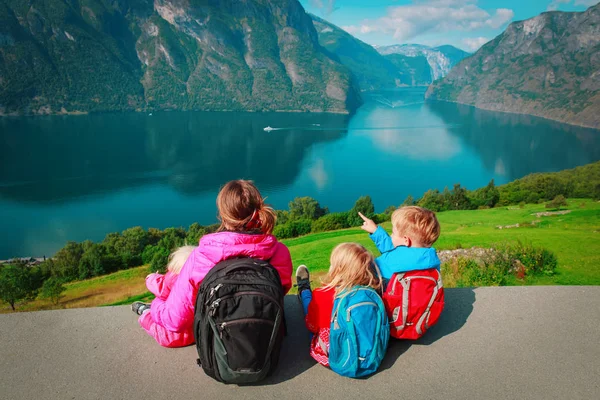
(246, 231)
(351, 265)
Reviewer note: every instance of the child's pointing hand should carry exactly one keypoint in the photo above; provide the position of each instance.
(368, 224)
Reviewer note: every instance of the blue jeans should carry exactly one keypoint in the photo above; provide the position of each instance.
(305, 297)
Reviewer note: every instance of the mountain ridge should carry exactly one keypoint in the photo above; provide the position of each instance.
(95, 55)
(547, 66)
(441, 59)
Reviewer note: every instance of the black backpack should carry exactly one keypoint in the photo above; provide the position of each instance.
(239, 322)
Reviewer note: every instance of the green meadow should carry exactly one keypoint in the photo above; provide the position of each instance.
(574, 238)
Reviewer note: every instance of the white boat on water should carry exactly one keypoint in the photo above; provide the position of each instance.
(268, 129)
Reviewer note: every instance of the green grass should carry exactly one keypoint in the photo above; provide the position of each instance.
(116, 288)
(574, 238)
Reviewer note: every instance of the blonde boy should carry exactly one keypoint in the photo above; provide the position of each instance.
(415, 229)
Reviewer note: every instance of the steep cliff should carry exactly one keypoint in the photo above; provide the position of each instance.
(102, 55)
(440, 59)
(548, 66)
(371, 70)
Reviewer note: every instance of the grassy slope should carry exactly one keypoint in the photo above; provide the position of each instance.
(574, 238)
(94, 292)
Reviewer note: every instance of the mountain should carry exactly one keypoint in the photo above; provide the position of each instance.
(440, 59)
(415, 71)
(59, 56)
(548, 66)
(371, 70)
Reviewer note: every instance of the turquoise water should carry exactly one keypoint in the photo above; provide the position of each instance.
(79, 177)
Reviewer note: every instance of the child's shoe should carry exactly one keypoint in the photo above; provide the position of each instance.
(139, 308)
(302, 279)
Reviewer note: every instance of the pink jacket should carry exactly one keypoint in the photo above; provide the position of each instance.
(160, 285)
(175, 313)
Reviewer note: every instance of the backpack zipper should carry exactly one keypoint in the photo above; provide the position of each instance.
(334, 317)
(353, 306)
(212, 292)
(213, 307)
(225, 324)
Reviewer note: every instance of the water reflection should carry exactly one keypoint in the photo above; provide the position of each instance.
(54, 159)
(516, 145)
(77, 178)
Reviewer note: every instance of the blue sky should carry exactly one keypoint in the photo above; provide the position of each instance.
(466, 24)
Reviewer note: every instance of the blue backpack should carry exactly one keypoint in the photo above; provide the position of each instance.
(359, 332)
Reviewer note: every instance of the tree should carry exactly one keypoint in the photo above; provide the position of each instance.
(557, 202)
(159, 260)
(364, 205)
(66, 261)
(194, 233)
(14, 284)
(173, 238)
(52, 289)
(432, 200)
(487, 196)
(409, 201)
(458, 199)
(305, 208)
(92, 260)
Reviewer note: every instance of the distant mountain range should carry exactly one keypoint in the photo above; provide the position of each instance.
(62, 56)
(389, 66)
(548, 66)
(440, 59)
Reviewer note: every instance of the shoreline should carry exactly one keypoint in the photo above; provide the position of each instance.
(570, 123)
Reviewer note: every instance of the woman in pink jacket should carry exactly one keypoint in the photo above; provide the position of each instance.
(245, 231)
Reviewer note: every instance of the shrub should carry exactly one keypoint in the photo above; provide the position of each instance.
(363, 205)
(557, 202)
(381, 217)
(159, 261)
(390, 210)
(305, 208)
(496, 267)
(464, 272)
(536, 260)
(52, 289)
(331, 222)
(293, 229)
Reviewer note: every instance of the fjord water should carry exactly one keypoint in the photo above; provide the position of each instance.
(80, 177)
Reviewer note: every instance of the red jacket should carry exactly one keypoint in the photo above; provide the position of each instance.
(318, 321)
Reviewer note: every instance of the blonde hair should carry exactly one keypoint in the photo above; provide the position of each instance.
(351, 265)
(178, 258)
(418, 223)
(240, 204)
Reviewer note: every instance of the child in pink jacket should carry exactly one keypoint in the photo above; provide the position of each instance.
(246, 226)
(160, 285)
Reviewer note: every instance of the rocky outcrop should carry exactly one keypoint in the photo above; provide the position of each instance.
(371, 70)
(66, 56)
(440, 59)
(548, 66)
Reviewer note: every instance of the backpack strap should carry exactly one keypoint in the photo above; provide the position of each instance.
(436, 289)
(378, 272)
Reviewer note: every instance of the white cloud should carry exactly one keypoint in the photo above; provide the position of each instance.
(433, 16)
(325, 7)
(473, 44)
(555, 4)
(318, 174)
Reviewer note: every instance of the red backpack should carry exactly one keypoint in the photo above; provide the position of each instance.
(413, 301)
